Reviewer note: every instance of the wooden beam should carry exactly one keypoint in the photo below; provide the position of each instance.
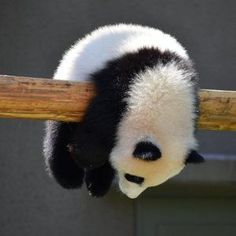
(217, 109)
(45, 99)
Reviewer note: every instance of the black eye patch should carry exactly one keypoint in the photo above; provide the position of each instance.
(134, 179)
(147, 151)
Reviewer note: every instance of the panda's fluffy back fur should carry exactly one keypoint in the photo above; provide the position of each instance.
(91, 53)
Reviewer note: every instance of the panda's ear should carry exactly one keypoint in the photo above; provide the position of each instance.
(194, 157)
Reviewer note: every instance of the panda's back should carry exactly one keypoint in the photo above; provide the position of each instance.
(91, 53)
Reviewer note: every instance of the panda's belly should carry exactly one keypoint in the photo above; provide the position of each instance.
(91, 53)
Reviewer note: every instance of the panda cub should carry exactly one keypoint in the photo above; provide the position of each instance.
(140, 125)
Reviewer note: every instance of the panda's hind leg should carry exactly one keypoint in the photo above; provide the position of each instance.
(59, 161)
(99, 180)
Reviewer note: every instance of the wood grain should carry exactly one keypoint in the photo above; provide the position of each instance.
(218, 110)
(46, 99)
(43, 99)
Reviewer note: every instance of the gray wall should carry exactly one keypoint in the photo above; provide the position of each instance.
(33, 36)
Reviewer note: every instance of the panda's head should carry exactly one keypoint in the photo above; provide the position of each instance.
(147, 166)
(155, 137)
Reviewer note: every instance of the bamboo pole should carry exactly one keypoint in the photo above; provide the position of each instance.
(45, 99)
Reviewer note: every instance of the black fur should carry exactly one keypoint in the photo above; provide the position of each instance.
(89, 148)
(147, 151)
(134, 179)
(194, 157)
(99, 180)
(91, 141)
(112, 84)
(58, 158)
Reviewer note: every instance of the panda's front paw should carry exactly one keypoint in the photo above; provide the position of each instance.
(99, 180)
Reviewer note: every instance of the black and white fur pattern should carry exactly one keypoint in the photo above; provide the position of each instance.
(140, 125)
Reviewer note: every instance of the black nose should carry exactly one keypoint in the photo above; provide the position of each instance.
(134, 178)
(146, 151)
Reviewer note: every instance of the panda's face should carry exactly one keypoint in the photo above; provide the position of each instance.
(145, 167)
(149, 154)
(156, 132)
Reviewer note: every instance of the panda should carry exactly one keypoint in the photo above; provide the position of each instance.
(139, 128)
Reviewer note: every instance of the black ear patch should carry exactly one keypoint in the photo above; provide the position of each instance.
(147, 151)
(194, 157)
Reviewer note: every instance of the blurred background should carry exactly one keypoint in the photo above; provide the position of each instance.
(202, 200)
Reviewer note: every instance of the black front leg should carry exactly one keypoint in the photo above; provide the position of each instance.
(99, 180)
(58, 157)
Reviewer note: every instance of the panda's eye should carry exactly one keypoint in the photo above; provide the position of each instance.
(147, 151)
(134, 179)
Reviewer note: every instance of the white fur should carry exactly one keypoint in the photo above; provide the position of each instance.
(160, 110)
(94, 50)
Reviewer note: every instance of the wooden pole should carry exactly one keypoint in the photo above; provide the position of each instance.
(45, 99)
(217, 109)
